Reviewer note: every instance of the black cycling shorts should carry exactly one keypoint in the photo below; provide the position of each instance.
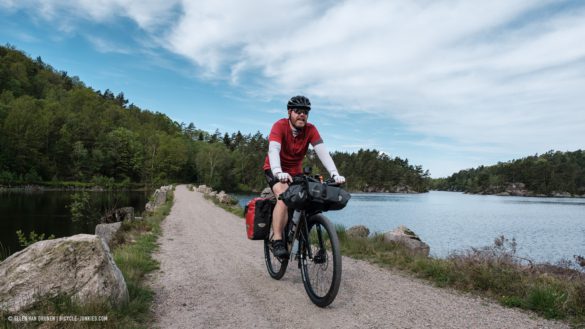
(270, 179)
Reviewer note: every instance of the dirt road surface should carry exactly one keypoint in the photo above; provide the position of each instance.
(212, 276)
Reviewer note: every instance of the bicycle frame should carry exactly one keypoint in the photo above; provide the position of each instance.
(296, 233)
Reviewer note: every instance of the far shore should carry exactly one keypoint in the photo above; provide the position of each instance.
(67, 187)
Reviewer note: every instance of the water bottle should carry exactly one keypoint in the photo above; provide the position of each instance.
(295, 221)
(295, 248)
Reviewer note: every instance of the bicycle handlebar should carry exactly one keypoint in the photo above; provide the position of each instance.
(302, 178)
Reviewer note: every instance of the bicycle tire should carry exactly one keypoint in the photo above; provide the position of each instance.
(324, 264)
(276, 266)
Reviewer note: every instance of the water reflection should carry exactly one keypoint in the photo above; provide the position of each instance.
(47, 212)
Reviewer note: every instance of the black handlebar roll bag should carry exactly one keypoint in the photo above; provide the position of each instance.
(315, 194)
(296, 196)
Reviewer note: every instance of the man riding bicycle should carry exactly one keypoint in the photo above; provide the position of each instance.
(289, 141)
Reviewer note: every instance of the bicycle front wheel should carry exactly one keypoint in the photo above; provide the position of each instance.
(321, 269)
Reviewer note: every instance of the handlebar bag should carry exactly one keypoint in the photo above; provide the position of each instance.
(258, 214)
(327, 196)
(296, 196)
(335, 198)
(317, 195)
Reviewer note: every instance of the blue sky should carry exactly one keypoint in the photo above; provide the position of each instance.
(449, 85)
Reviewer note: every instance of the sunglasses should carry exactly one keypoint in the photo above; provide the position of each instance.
(301, 111)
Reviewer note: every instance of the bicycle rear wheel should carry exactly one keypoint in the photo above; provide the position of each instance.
(276, 266)
(322, 272)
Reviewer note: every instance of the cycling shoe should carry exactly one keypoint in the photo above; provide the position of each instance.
(279, 249)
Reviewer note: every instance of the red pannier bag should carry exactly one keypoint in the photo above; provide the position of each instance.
(258, 214)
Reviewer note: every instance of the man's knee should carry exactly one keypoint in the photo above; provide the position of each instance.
(279, 188)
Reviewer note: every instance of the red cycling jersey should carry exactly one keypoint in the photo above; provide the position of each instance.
(293, 149)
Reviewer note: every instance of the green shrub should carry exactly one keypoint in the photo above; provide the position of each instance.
(33, 237)
(80, 206)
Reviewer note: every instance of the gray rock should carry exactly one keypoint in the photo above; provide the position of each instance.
(267, 193)
(204, 189)
(222, 197)
(358, 231)
(159, 197)
(80, 266)
(107, 231)
(408, 239)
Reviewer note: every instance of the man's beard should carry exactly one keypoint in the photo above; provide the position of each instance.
(295, 126)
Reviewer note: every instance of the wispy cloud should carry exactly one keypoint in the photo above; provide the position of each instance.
(148, 14)
(106, 46)
(489, 76)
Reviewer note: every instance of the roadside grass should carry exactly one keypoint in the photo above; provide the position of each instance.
(132, 249)
(554, 292)
(233, 207)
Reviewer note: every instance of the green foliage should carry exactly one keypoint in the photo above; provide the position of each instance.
(547, 174)
(547, 299)
(374, 171)
(54, 128)
(33, 237)
(80, 206)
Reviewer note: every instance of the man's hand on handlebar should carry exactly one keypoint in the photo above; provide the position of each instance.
(338, 179)
(284, 177)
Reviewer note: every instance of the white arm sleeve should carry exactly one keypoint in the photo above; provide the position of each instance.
(274, 157)
(325, 158)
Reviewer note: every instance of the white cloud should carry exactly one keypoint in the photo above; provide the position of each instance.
(148, 14)
(496, 74)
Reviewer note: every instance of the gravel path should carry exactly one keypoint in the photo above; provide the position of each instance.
(212, 276)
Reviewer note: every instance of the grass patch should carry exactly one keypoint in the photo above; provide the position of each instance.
(554, 292)
(132, 249)
(233, 207)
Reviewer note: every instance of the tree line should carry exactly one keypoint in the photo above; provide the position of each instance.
(545, 174)
(54, 128)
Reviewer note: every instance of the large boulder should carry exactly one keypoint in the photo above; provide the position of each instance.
(159, 197)
(406, 237)
(359, 231)
(79, 266)
(107, 231)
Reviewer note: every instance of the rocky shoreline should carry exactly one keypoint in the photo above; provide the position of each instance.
(519, 189)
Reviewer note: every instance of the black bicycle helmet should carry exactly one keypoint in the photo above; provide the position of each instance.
(299, 102)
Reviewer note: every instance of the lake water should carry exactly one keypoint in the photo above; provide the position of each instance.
(47, 212)
(545, 229)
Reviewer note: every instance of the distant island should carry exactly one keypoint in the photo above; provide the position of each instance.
(552, 174)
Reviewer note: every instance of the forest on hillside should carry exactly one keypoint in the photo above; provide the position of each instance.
(54, 128)
(551, 173)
